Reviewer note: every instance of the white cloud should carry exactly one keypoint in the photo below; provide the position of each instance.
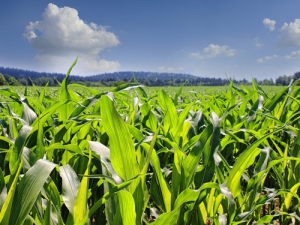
(270, 24)
(290, 36)
(213, 51)
(170, 69)
(86, 65)
(293, 55)
(258, 44)
(62, 36)
(267, 58)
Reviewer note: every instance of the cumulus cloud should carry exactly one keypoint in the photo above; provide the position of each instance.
(170, 69)
(293, 55)
(270, 24)
(62, 36)
(214, 51)
(267, 58)
(290, 34)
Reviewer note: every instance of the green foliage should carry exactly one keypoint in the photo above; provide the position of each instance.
(2, 80)
(12, 81)
(132, 155)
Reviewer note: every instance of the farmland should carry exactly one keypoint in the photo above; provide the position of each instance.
(137, 155)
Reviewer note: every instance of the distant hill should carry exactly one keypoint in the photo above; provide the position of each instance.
(14, 77)
(126, 75)
(25, 77)
(20, 73)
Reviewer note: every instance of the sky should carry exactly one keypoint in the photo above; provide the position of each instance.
(207, 38)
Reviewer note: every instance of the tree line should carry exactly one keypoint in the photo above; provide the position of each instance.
(19, 77)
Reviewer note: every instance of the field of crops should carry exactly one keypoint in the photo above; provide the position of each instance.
(131, 155)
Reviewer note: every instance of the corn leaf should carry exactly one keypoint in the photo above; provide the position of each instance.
(28, 189)
(70, 186)
(122, 152)
(127, 207)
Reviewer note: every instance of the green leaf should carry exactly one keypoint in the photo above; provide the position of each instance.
(15, 156)
(184, 197)
(80, 206)
(169, 218)
(39, 126)
(104, 198)
(288, 198)
(122, 152)
(177, 130)
(177, 173)
(70, 186)
(47, 217)
(2, 184)
(190, 163)
(243, 162)
(85, 104)
(7, 206)
(104, 154)
(28, 114)
(28, 189)
(275, 100)
(169, 110)
(265, 219)
(52, 194)
(127, 207)
(127, 86)
(74, 148)
(164, 187)
(66, 110)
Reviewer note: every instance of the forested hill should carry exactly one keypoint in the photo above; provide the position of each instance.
(19, 73)
(141, 75)
(25, 77)
(13, 76)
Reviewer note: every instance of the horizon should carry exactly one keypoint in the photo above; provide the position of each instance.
(205, 39)
(151, 72)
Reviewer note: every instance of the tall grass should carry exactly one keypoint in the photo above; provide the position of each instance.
(127, 156)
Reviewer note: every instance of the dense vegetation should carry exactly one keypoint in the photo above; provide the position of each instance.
(16, 77)
(134, 157)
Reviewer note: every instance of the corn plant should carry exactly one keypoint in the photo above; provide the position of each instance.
(131, 156)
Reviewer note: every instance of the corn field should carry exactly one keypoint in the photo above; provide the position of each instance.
(129, 157)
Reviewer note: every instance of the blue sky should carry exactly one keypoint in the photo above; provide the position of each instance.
(240, 39)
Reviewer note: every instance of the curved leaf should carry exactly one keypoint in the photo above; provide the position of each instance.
(28, 189)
